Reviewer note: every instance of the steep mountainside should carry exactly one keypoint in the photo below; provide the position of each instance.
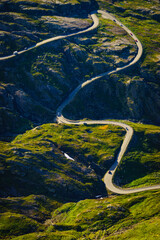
(117, 217)
(37, 158)
(35, 83)
(51, 175)
(133, 95)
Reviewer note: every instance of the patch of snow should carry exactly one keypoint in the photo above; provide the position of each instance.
(68, 157)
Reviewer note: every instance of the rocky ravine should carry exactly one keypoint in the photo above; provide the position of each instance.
(33, 85)
(134, 99)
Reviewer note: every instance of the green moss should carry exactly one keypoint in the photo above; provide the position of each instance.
(65, 235)
(144, 230)
(35, 158)
(113, 215)
(84, 139)
(41, 151)
(12, 224)
(111, 218)
(141, 165)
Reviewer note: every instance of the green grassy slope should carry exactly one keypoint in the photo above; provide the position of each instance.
(20, 215)
(112, 216)
(33, 85)
(142, 17)
(93, 148)
(37, 82)
(132, 94)
(36, 159)
(141, 164)
(118, 217)
(36, 180)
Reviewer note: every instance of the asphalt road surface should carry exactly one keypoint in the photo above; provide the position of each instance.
(108, 178)
(94, 26)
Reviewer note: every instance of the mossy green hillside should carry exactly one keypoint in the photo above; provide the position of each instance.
(22, 163)
(117, 97)
(38, 156)
(123, 95)
(142, 17)
(36, 207)
(140, 166)
(110, 215)
(85, 140)
(22, 215)
(16, 224)
(42, 75)
(37, 159)
(149, 38)
(29, 16)
(48, 74)
(118, 217)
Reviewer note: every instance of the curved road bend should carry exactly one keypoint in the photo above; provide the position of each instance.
(94, 26)
(60, 119)
(108, 178)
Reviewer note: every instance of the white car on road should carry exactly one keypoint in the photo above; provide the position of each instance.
(15, 53)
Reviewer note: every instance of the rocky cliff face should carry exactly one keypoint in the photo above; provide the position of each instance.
(35, 83)
(134, 99)
(38, 159)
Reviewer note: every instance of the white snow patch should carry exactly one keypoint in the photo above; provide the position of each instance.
(68, 157)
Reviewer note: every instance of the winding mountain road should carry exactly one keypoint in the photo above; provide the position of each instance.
(94, 26)
(108, 178)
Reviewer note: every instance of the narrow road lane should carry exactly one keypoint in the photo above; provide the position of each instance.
(94, 26)
(108, 178)
(60, 119)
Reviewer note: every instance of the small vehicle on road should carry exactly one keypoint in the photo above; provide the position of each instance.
(109, 172)
(15, 53)
(117, 69)
(126, 128)
(114, 20)
(136, 40)
(99, 196)
(131, 34)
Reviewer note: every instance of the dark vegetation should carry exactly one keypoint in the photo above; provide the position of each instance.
(37, 160)
(133, 94)
(42, 192)
(33, 85)
(141, 165)
(117, 217)
(34, 163)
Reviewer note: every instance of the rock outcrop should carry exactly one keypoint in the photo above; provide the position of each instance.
(34, 84)
(135, 99)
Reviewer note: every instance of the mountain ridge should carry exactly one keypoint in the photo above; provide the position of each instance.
(35, 163)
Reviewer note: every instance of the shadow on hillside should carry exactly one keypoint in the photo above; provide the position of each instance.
(77, 10)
